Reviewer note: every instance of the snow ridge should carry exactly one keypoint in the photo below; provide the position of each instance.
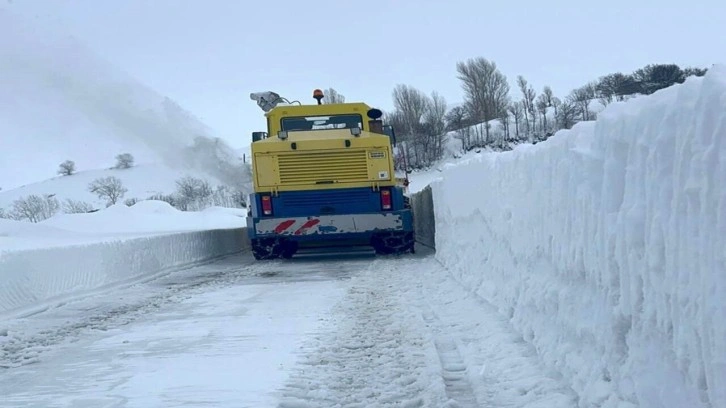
(36, 279)
(606, 246)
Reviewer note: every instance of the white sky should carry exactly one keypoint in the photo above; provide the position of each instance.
(208, 55)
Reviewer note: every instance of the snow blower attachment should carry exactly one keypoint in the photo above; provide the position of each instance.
(323, 177)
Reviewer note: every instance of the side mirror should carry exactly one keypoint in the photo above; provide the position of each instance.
(258, 136)
(388, 130)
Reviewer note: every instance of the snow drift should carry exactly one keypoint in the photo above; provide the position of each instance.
(69, 255)
(606, 246)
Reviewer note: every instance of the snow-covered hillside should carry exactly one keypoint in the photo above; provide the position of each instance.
(606, 246)
(59, 101)
(142, 182)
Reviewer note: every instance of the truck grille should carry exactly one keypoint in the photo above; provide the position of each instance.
(323, 167)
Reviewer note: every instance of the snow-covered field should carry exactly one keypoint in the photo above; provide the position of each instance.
(606, 246)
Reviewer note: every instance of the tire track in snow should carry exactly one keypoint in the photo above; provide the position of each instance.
(501, 368)
(453, 367)
(410, 335)
(374, 353)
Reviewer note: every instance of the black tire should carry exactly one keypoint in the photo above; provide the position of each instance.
(393, 243)
(265, 249)
(288, 249)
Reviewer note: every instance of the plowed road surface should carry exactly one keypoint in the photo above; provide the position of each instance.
(353, 331)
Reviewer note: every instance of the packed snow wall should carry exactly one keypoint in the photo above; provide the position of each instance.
(37, 278)
(606, 246)
(422, 205)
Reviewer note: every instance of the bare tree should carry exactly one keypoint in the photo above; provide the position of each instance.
(108, 188)
(124, 161)
(411, 105)
(192, 193)
(332, 96)
(67, 168)
(458, 121)
(528, 95)
(225, 196)
(76, 207)
(567, 114)
(522, 83)
(556, 102)
(542, 106)
(486, 89)
(615, 86)
(35, 208)
(694, 71)
(396, 120)
(504, 121)
(517, 112)
(582, 97)
(654, 77)
(168, 198)
(548, 95)
(434, 120)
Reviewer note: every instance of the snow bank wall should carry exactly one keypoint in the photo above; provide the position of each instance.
(424, 223)
(33, 279)
(606, 246)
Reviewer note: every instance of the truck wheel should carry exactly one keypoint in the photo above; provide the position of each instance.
(265, 248)
(288, 249)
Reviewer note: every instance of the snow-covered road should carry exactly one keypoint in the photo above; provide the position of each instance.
(360, 331)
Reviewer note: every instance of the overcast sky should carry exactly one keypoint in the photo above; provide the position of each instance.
(208, 55)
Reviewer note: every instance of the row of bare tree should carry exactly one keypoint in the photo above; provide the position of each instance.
(495, 115)
(192, 194)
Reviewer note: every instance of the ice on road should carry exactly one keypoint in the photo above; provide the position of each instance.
(363, 331)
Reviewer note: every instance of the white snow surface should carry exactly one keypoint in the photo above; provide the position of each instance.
(606, 246)
(341, 332)
(69, 255)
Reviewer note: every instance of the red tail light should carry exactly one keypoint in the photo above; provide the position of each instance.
(266, 205)
(386, 199)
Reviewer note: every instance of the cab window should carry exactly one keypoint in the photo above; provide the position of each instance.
(306, 123)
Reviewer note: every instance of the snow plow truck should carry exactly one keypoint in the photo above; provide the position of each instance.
(323, 177)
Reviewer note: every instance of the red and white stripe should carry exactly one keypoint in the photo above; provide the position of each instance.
(342, 223)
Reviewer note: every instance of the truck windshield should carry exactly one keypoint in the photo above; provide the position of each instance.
(322, 122)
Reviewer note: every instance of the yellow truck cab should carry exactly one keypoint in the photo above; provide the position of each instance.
(323, 175)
